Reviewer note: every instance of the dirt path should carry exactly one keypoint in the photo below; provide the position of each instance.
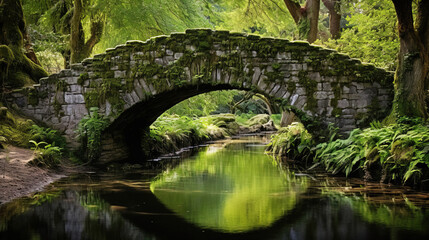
(17, 178)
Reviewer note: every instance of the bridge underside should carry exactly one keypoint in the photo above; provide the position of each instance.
(122, 139)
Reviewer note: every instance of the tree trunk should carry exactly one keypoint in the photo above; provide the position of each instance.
(288, 117)
(19, 68)
(333, 7)
(312, 7)
(412, 69)
(306, 18)
(80, 50)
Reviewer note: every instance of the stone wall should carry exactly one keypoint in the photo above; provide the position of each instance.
(321, 82)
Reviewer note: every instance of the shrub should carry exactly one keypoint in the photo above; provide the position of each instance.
(401, 150)
(292, 141)
(46, 155)
(89, 133)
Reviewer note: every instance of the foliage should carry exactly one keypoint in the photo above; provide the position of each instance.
(169, 133)
(137, 19)
(89, 133)
(258, 119)
(204, 104)
(401, 150)
(47, 135)
(46, 156)
(244, 117)
(292, 141)
(370, 34)
(267, 18)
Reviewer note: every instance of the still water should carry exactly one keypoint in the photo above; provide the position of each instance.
(226, 190)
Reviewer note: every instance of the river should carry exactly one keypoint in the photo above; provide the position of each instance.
(228, 189)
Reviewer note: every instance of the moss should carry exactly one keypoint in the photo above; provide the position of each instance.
(33, 97)
(336, 88)
(6, 54)
(82, 78)
(110, 90)
(58, 108)
(62, 85)
(291, 87)
(92, 99)
(310, 87)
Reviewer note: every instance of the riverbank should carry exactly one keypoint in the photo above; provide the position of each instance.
(18, 178)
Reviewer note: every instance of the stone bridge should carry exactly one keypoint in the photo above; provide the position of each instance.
(134, 83)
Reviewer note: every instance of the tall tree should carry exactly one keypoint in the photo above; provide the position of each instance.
(16, 68)
(79, 48)
(411, 77)
(306, 18)
(333, 7)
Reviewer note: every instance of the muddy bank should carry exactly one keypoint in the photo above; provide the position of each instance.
(17, 178)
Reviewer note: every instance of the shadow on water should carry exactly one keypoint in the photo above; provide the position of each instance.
(124, 206)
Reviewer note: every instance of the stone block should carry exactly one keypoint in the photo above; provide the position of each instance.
(323, 103)
(362, 103)
(191, 48)
(120, 74)
(261, 83)
(159, 61)
(178, 55)
(343, 103)
(315, 76)
(348, 111)
(361, 110)
(274, 90)
(300, 102)
(281, 55)
(169, 52)
(383, 91)
(296, 67)
(300, 91)
(320, 95)
(71, 80)
(75, 88)
(286, 95)
(280, 93)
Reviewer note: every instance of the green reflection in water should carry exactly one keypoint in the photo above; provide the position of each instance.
(231, 189)
(401, 216)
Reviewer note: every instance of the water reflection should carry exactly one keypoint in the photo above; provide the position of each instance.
(223, 197)
(231, 188)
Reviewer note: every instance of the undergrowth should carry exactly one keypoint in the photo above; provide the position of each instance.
(172, 132)
(397, 153)
(293, 141)
(49, 145)
(89, 133)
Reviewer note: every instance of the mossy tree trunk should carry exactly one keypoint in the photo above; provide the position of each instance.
(306, 18)
(16, 68)
(333, 7)
(79, 48)
(411, 77)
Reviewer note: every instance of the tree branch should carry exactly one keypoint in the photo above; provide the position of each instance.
(294, 9)
(329, 4)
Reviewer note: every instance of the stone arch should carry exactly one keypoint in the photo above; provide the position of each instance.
(127, 81)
